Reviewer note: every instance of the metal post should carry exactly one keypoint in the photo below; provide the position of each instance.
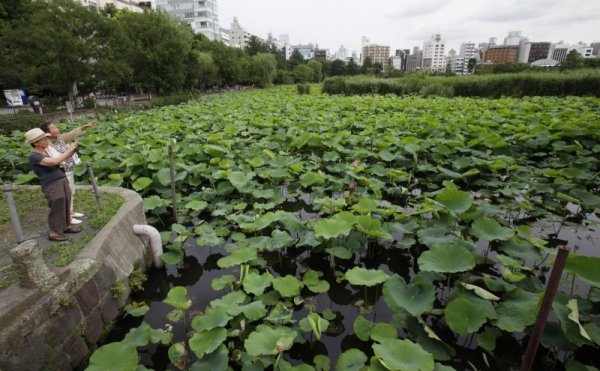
(14, 216)
(93, 180)
(551, 288)
(173, 190)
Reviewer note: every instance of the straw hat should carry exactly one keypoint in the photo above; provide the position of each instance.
(34, 135)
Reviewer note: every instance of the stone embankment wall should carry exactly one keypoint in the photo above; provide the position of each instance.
(54, 318)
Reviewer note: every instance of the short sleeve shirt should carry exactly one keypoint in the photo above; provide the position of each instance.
(47, 174)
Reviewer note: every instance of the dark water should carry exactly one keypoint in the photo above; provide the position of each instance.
(199, 268)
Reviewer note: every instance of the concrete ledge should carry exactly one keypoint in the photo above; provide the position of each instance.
(33, 316)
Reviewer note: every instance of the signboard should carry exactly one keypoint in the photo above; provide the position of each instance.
(15, 97)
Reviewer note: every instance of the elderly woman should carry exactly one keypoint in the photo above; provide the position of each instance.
(54, 183)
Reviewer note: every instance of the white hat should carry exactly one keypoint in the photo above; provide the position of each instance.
(34, 135)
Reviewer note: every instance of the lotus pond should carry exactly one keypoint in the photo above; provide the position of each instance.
(371, 232)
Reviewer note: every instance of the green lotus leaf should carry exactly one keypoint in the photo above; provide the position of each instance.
(177, 297)
(351, 360)
(489, 229)
(177, 354)
(311, 178)
(256, 161)
(416, 298)
(240, 180)
(456, 201)
(487, 338)
(447, 259)
(363, 327)
(584, 267)
(463, 317)
(308, 239)
(403, 355)
(280, 314)
(205, 342)
(210, 319)
(339, 225)
(441, 367)
(574, 316)
(252, 311)
(313, 322)
(196, 205)
(436, 236)
(173, 255)
(141, 183)
(139, 336)
(256, 284)
(219, 283)
(136, 309)
(365, 277)
(517, 311)
(588, 200)
(233, 298)
(482, 293)
(153, 202)
(279, 239)
(287, 286)
(237, 257)
(322, 362)
(269, 341)
(216, 361)
(215, 151)
(371, 227)
(118, 356)
(339, 252)
(382, 331)
(365, 206)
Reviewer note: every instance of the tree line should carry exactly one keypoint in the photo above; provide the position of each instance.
(59, 47)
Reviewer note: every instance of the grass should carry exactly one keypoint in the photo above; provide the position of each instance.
(32, 211)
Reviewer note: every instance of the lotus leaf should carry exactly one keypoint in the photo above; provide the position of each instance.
(219, 283)
(456, 201)
(238, 257)
(196, 205)
(447, 259)
(365, 206)
(177, 297)
(365, 277)
(382, 331)
(205, 342)
(351, 360)
(240, 180)
(416, 298)
(141, 183)
(280, 314)
(118, 356)
(482, 293)
(213, 317)
(463, 317)
(267, 340)
(287, 286)
(256, 284)
(489, 229)
(321, 362)
(339, 225)
(313, 322)
(517, 311)
(403, 355)
(216, 361)
(177, 354)
(339, 252)
(311, 178)
(139, 336)
(436, 236)
(584, 267)
(371, 227)
(574, 316)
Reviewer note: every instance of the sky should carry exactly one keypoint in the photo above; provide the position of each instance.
(403, 24)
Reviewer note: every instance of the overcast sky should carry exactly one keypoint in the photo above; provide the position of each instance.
(402, 24)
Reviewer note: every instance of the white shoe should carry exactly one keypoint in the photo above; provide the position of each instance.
(77, 215)
(75, 221)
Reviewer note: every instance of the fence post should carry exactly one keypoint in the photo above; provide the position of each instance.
(14, 216)
(93, 180)
(551, 288)
(173, 189)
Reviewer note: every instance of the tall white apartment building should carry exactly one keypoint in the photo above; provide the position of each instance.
(434, 56)
(119, 4)
(342, 53)
(513, 38)
(201, 15)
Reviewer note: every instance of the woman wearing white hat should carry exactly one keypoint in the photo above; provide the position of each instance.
(54, 183)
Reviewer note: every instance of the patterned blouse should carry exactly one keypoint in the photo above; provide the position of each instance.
(69, 163)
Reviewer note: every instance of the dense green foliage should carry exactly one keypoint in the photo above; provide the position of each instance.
(579, 83)
(467, 194)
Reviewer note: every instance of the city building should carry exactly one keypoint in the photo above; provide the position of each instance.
(434, 55)
(341, 54)
(202, 16)
(133, 6)
(225, 36)
(377, 54)
(287, 51)
(513, 38)
(413, 61)
(530, 52)
(501, 54)
(321, 54)
(238, 37)
(560, 50)
(307, 51)
(595, 48)
(456, 62)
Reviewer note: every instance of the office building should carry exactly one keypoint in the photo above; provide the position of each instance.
(202, 16)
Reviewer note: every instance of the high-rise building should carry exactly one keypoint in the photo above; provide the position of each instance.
(377, 54)
(238, 37)
(501, 54)
(513, 38)
(414, 60)
(434, 56)
(132, 6)
(201, 15)
(342, 53)
(595, 48)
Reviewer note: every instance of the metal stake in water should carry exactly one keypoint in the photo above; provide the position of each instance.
(12, 209)
(173, 189)
(93, 180)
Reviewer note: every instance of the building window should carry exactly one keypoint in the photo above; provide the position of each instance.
(189, 15)
(204, 24)
(202, 3)
(202, 14)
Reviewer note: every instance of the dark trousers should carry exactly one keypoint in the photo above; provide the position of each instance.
(58, 195)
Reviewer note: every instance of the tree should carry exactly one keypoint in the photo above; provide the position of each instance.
(303, 73)
(203, 73)
(338, 68)
(317, 69)
(352, 68)
(264, 69)
(471, 65)
(574, 60)
(295, 59)
(255, 46)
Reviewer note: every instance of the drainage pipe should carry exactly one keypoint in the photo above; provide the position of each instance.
(155, 242)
